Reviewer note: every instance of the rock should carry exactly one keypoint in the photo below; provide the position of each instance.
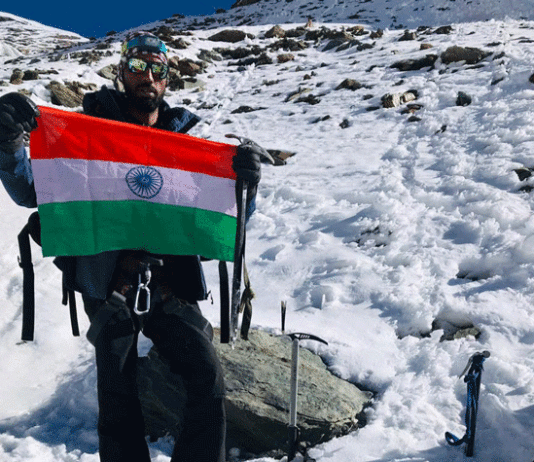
(289, 45)
(469, 55)
(463, 99)
(64, 96)
(444, 30)
(285, 57)
(523, 173)
(239, 53)
(229, 35)
(257, 376)
(178, 83)
(109, 72)
(280, 157)
(16, 77)
(379, 33)
(179, 44)
(310, 99)
(30, 75)
(275, 31)
(243, 3)
(396, 99)
(426, 46)
(357, 30)
(455, 330)
(415, 64)
(261, 60)
(209, 56)
(349, 84)
(187, 66)
(408, 36)
(297, 94)
(246, 109)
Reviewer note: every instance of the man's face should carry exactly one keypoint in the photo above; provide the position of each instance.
(144, 90)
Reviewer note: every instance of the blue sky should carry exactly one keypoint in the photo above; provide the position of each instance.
(97, 17)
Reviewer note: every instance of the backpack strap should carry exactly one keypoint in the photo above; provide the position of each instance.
(225, 302)
(33, 229)
(70, 299)
(28, 295)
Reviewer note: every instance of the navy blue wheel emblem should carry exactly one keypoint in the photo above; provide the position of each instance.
(145, 182)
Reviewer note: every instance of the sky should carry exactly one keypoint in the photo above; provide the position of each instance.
(104, 16)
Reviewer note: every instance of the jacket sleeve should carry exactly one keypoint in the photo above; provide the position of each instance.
(17, 178)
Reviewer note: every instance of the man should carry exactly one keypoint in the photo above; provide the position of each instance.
(109, 281)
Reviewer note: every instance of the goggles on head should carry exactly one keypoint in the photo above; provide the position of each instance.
(145, 42)
(139, 65)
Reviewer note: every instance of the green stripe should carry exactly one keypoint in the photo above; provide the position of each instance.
(92, 227)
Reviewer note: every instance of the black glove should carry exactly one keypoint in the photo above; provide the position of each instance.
(18, 114)
(247, 163)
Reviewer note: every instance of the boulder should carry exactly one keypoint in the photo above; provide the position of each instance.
(391, 100)
(415, 64)
(64, 96)
(469, 55)
(257, 376)
(463, 99)
(349, 84)
(275, 31)
(229, 35)
(285, 57)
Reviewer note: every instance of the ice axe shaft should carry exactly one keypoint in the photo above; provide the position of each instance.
(293, 430)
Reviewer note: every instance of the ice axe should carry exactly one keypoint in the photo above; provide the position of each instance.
(293, 431)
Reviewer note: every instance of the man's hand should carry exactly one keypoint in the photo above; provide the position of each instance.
(247, 161)
(18, 114)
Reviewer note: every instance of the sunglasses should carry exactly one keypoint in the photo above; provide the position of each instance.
(138, 66)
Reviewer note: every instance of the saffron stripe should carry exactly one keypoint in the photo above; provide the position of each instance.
(67, 180)
(63, 134)
(89, 228)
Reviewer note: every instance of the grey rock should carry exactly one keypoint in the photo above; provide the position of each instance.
(416, 64)
(108, 72)
(469, 55)
(396, 99)
(275, 31)
(209, 56)
(64, 96)
(16, 77)
(463, 99)
(349, 84)
(257, 375)
(229, 35)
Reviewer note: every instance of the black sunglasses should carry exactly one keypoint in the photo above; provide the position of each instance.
(138, 66)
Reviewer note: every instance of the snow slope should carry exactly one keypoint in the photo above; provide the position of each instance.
(365, 233)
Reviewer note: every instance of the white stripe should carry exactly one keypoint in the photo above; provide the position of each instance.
(66, 180)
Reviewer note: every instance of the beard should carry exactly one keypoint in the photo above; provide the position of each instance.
(143, 103)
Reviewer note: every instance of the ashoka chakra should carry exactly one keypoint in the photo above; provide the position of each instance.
(145, 182)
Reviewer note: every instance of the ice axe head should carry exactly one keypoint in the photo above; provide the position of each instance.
(302, 336)
(248, 142)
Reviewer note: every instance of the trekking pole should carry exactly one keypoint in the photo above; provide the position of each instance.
(474, 374)
(242, 196)
(293, 431)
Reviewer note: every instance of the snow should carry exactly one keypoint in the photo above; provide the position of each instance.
(363, 233)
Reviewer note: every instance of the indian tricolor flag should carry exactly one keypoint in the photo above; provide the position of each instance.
(105, 185)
